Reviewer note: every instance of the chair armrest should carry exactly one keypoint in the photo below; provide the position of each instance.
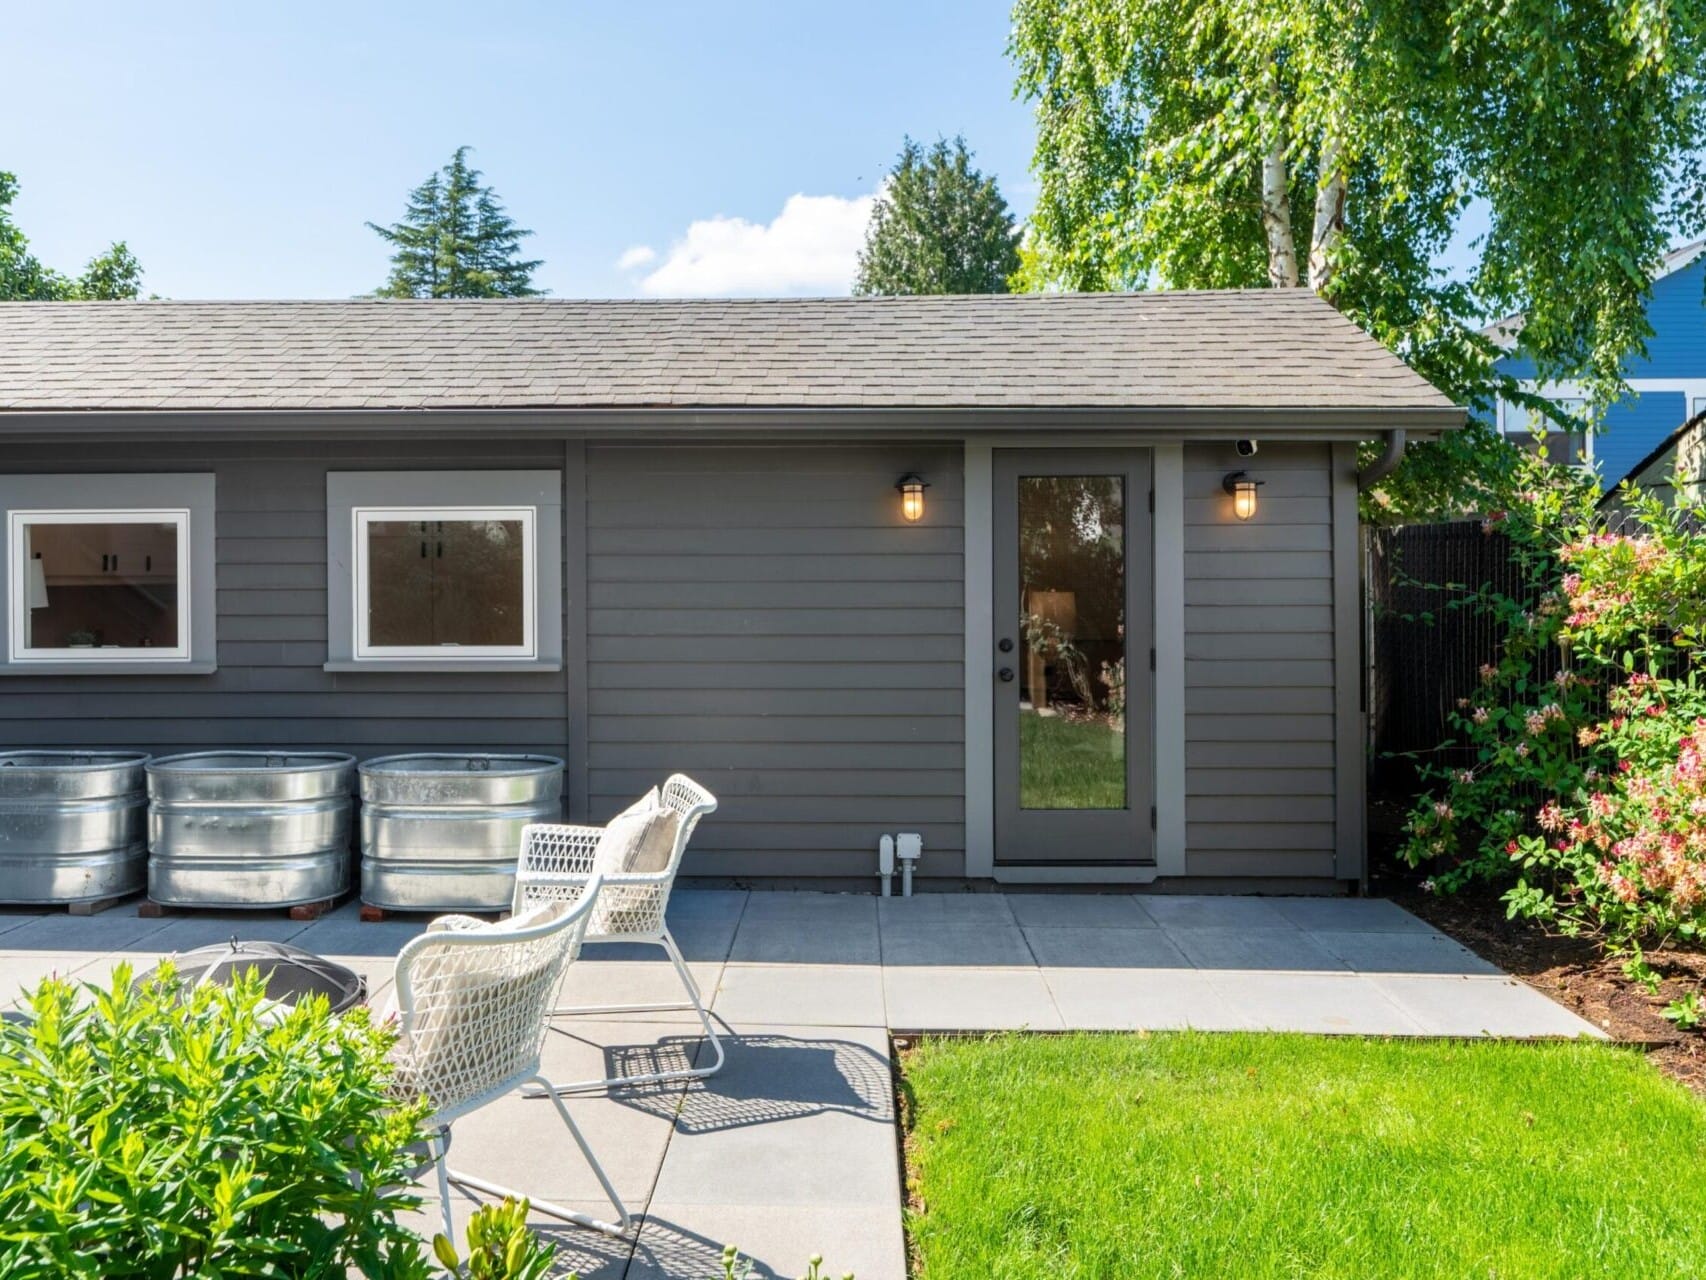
(453, 924)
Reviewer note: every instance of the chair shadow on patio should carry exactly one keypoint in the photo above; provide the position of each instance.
(585, 1254)
(769, 1078)
(666, 1249)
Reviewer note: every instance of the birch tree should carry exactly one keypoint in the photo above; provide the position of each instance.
(1345, 145)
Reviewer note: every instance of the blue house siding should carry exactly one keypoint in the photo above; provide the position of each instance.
(1633, 429)
(1677, 314)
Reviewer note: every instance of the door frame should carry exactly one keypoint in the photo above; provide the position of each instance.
(1122, 836)
(1168, 622)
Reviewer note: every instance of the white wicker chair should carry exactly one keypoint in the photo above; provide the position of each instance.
(557, 862)
(474, 1004)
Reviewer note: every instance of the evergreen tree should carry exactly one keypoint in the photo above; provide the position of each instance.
(939, 226)
(456, 241)
(111, 276)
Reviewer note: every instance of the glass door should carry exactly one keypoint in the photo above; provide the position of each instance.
(1072, 661)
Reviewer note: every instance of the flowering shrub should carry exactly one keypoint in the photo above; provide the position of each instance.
(1520, 723)
(1589, 733)
(1625, 855)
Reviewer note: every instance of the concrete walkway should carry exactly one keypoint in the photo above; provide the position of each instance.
(792, 1148)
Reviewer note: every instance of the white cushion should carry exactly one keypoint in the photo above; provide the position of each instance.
(640, 839)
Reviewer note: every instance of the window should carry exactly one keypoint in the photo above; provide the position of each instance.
(1558, 446)
(108, 574)
(434, 579)
(444, 570)
(88, 583)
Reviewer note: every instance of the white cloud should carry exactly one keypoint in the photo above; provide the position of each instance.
(638, 256)
(811, 247)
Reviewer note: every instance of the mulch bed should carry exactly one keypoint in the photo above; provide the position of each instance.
(1570, 971)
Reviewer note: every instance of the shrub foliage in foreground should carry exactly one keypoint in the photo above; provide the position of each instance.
(1588, 788)
(162, 1131)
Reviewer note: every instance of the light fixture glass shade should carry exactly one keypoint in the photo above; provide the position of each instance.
(1243, 491)
(38, 583)
(1244, 499)
(911, 489)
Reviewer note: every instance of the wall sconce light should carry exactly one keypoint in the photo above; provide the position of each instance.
(911, 488)
(1243, 491)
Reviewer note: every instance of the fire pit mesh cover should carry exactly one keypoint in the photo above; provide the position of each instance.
(291, 972)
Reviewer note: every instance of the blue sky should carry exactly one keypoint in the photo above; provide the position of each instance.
(240, 148)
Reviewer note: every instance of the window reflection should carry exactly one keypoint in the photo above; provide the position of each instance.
(101, 584)
(1072, 739)
(435, 583)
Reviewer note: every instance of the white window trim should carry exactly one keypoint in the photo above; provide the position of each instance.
(366, 651)
(18, 610)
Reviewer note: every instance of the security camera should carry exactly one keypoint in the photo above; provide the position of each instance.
(1246, 448)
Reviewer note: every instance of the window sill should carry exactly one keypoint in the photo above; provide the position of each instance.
(116, 667)
(441, 664)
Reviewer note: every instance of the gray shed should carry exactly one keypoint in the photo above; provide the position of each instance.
(980, 569)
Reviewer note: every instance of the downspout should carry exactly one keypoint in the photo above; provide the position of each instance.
(1385, 464)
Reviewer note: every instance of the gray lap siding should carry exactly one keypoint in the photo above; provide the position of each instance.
(759, 616)
(270, 690)
(1260, 717)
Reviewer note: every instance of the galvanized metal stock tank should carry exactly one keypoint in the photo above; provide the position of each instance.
(249, 828)
(442, 832)
(72, 825)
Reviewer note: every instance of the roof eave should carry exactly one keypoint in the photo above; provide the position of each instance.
(804, 421)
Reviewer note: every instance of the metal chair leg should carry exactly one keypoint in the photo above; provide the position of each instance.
(695, 1002)
(441, 1144)
(667, 942)
(551, 1210)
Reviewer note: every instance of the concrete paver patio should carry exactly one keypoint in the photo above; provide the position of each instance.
(792, 1148)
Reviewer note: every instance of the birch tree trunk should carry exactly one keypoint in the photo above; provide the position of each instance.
(1329, 226)
(1276, 201)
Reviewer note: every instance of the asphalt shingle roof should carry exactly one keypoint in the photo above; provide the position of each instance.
(1268, 349)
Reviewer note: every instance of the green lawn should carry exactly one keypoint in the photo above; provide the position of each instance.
(1235, 1156)
(1069, 764)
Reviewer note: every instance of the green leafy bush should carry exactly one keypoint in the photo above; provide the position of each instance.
(163, 1131)
(1589, 782)
(500, 1245)
(1519, 725)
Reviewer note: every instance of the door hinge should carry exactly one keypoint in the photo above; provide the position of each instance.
(1152, 502)
(1152, 817)
(1152, 659)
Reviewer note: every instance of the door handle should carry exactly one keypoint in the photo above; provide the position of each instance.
(1005, 675)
